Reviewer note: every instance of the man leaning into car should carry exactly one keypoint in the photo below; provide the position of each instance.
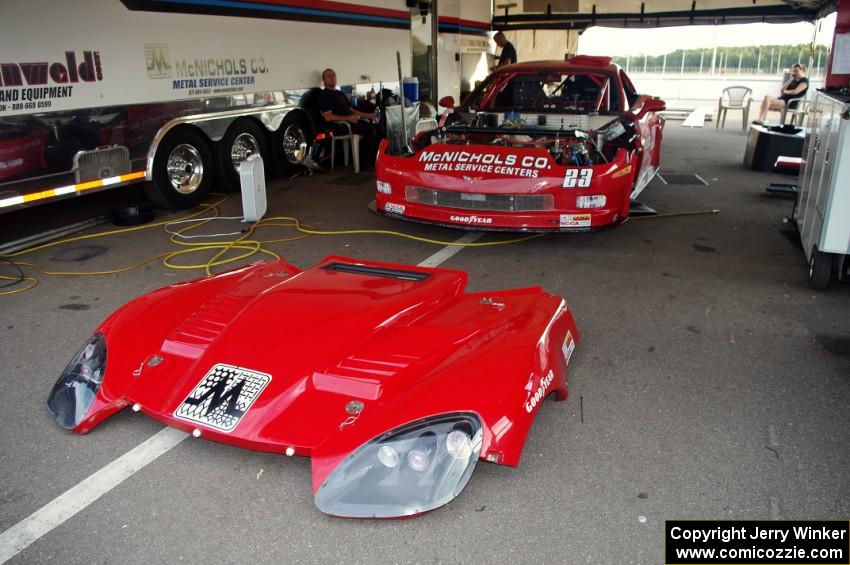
(508, 54)
(335, 107)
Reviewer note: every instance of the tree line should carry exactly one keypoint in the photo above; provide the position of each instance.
(765, 57)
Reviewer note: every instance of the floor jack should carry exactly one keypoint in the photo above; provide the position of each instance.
(788, 166)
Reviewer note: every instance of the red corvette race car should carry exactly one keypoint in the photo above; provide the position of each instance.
(392, 379)
(545, 146)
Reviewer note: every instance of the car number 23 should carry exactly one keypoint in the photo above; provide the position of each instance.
(578, 178)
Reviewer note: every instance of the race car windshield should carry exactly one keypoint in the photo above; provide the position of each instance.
(569, 92)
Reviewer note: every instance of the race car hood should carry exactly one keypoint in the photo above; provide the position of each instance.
(312, 362)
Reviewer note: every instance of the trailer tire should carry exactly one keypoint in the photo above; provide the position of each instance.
(182, 170)
(820, 270)
(292, 143)
(244, 138)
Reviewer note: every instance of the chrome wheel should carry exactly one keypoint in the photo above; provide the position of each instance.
(294, 144)
(243, 147)
(185, 168)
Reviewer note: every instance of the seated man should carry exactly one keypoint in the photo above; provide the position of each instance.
(335, 107)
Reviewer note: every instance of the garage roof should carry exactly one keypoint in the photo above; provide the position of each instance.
(572, 14)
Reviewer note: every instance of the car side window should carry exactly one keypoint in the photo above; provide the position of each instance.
(631, 93)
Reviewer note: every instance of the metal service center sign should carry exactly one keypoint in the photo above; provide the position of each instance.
(203, 75)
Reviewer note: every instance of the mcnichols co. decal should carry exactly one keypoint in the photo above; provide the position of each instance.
(35, 84)
(507, 164)
(203, 75)
(222, 397)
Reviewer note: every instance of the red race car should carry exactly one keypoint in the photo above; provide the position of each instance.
(544, 146)
(391, 378)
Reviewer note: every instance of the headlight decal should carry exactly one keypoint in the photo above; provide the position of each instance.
(412, 469)
(75, 390)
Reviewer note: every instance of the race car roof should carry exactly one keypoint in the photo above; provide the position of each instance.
(579, 14)
(580, 62)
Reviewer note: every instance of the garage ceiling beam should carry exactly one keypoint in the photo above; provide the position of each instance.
(749, 14)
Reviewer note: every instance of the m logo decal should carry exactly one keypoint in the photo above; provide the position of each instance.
(157, 60)
(222, 397)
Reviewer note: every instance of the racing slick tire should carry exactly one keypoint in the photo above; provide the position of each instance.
(182, 170)
(292, 143)
(820, 270)
(244, 138)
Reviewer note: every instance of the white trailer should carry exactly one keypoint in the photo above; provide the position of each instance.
(104, 93)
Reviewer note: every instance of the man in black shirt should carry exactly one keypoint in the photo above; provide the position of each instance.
(508, 55)
(335, 107)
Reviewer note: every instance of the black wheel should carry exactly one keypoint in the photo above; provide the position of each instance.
(244, 138)
(182, 170)
(820, 270)
(292, 144)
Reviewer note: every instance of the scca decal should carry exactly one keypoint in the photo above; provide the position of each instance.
(540, 392)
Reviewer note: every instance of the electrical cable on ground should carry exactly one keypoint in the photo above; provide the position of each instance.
(677, 214)
(245, 245)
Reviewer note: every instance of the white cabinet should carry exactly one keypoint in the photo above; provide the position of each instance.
(823, 206)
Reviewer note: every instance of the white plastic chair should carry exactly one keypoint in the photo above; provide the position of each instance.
(797, 107)
(425, 124)
(353, 141)
(733, 98)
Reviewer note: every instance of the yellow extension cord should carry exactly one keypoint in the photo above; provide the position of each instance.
(248, 247)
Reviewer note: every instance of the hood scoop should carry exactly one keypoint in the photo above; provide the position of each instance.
(192, 337)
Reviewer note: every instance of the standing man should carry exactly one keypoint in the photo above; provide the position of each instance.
(508, 55)
(335, 107)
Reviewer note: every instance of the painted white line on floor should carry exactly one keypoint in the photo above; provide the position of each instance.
(702, 180)
(448, 252)
(57, 511)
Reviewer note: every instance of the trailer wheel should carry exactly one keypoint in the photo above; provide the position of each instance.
(243, 139)
(820, 270)
(182, 170)
(292, 143)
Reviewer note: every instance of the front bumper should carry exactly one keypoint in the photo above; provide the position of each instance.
(568, 221)
(408, 191)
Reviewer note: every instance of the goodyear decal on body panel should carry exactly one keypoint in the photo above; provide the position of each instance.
(540, 392)
(568, 346)
(222, 397)
(575, 220)
(471, 219)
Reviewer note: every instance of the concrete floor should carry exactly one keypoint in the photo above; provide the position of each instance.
(709, 383)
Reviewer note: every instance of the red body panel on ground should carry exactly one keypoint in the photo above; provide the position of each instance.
(403, 343)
